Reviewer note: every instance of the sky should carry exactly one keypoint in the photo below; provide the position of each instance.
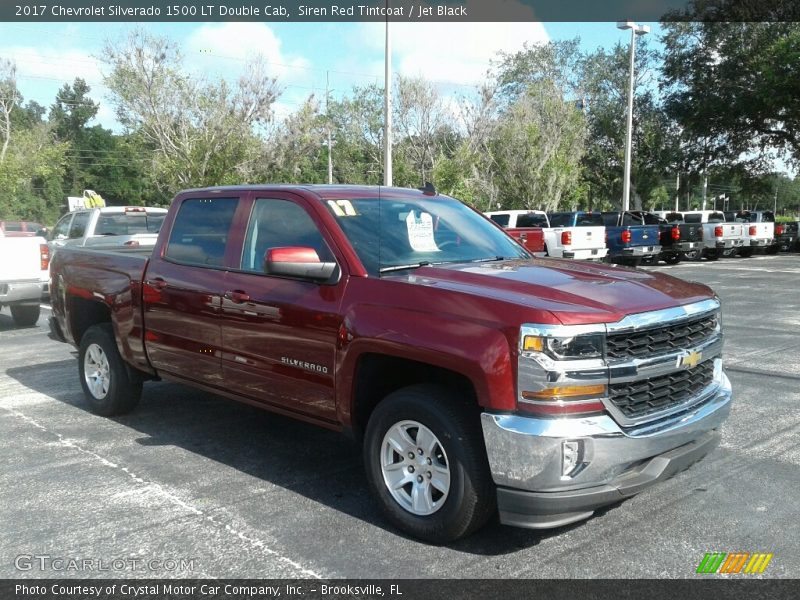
(303, 56)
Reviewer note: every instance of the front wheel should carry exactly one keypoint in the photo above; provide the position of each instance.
(745, 252)
(693, 255)
(25, 315)
(104, 379)
(426, 464)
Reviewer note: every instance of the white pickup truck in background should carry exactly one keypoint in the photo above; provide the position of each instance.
(578, 234)
(720, 238)
(759, 231)
(108, 227)
(24, 276)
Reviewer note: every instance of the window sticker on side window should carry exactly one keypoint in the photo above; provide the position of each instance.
(420, 232)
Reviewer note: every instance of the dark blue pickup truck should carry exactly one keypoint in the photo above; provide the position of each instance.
(629, 240)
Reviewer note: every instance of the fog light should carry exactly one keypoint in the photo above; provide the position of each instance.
(570, 457)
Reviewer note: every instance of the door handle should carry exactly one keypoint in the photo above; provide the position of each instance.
(157, 282)
(237, 296)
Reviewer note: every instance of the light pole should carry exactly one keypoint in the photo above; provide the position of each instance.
(387, 106)
(626, 185)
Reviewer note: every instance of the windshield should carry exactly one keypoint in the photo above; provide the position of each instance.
(388, 234)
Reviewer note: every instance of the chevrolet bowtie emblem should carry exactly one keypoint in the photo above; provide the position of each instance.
(691, 360)
(644, 236)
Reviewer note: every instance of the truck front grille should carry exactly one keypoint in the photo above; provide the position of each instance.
(637, 399)
(661, 340)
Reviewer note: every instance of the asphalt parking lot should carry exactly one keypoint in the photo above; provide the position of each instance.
(225, 490)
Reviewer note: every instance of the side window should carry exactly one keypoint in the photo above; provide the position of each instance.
(200, 232)
(79, 223)
(61, 228)
(280, 224)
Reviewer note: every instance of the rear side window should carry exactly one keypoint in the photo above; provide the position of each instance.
(768, 217)
(531, 220)
(693, 218)
(674, 217)
(716, 217)
(200, 232)
(79, 223)
(501, 220)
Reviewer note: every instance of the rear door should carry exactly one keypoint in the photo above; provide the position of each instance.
(183, 289)
(279, 334)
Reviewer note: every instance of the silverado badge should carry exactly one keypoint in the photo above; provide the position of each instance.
(690, 360)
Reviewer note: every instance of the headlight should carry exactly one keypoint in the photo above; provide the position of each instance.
(566, 348)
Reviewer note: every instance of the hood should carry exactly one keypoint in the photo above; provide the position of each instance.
(574, 292)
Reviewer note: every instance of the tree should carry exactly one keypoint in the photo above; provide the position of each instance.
(203, 133)
(422, 125)
(296, 152)
(357, 123)
(537, 149)
(605, 76)
(9, 98)
(733, 86)
(69, 116)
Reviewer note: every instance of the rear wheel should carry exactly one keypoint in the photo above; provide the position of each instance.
(773, 249)
(713, 254)
(729, 252)
(25, 315)
(105, 381)
(693, 255)
(745, 252)
(672, 259)
(426, 464)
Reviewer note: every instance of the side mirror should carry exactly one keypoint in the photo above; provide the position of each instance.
(297, 261)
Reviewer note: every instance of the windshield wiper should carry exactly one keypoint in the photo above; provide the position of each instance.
(391, 268)
(482, 260)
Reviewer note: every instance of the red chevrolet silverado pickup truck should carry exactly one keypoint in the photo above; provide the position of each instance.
(478, 378)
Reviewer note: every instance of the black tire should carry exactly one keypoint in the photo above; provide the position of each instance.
(773, 249)
(713, 254)
(25, 315)
(745, 252)
(693, 255)
(650, 260)
(672, 259)
(785, 247)
(729, 252)
(120, 393)
(471, 497)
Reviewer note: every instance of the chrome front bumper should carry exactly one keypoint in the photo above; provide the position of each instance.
(20, 292)
(526, 458)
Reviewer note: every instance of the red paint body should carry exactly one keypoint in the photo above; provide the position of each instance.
(530, 237)
(294, 346)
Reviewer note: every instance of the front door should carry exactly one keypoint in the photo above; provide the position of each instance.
(279, 334)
